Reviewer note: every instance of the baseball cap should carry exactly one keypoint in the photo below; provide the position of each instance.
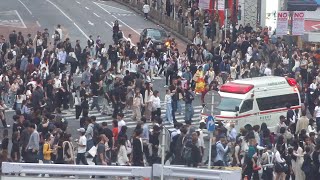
(81, 130)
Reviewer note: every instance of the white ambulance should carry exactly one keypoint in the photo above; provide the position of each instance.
(257, 100)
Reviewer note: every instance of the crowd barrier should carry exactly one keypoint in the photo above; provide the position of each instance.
(154, 172)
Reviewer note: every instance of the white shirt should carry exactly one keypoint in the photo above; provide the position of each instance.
(267, 72)
(146, 8)
(155, 102)
(168, 99)
(120, 124)
(60, 32)
(317, 111)
(57, 83)
(83, 142)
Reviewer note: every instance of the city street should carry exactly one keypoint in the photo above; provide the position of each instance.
(80, 19)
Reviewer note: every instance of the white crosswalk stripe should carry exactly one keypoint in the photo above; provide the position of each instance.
(69, 115)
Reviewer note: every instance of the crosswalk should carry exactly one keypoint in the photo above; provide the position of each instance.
(69, 115)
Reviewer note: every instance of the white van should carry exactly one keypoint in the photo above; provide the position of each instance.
(257, 100)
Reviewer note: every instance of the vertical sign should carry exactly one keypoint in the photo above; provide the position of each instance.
(221, 5)
(298, 23)
(282, 23)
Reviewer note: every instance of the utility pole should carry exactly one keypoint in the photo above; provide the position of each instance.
(234, 21)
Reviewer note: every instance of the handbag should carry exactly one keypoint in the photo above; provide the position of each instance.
(281, 167)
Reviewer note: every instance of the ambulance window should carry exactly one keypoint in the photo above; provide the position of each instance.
(275, 102)
(247, 105)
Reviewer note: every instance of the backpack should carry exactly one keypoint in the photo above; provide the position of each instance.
(186, 151)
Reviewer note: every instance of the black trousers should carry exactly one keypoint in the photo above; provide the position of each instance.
(81, 158)
(155, 113)
(78, 111)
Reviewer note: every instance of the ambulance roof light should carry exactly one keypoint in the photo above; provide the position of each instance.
(236, 88)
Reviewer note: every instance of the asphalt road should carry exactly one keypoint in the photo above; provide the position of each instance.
(79, 19)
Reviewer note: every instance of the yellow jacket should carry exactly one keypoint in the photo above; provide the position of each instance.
(47, 152)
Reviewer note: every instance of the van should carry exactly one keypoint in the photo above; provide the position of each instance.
(257, 100)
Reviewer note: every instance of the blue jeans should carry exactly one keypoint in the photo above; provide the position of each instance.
(169, 112)
(179, 107)
(95, 103)
(188, 112)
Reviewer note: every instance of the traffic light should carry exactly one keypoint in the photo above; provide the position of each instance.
(302, 5)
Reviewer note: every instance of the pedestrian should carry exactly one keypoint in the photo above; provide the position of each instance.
(168, 101)
(156, 105)
(32, 147)
(82, 147)
(137, 105)
(146, 10)
(137, 150)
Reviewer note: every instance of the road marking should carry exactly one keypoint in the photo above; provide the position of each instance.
(126, 25)
(60, 10)
(108, 24)
(78, 2)
(91, 23)
(98, 4)
(24, 25)
(96, 15)
(87, 8)
(116, 8)
(38, 23)
(84, 34)
(25, 7)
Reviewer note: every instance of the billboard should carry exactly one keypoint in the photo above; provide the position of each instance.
(282, 23)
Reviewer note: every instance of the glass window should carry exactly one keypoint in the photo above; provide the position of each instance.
(275, 102)
(247, 105)
(229, 104)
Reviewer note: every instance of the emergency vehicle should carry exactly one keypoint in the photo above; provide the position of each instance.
(257, 100)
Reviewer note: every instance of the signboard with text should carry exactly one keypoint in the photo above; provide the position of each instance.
(221, 4)
(204, 4)
(298, 23)
(282, 23)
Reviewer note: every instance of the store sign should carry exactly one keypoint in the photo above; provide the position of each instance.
(221, 5)
(298, 23)
(282, 23)
(204, 4)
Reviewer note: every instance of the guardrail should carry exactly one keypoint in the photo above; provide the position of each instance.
(80, 170)
(155, 171)
(189, 172)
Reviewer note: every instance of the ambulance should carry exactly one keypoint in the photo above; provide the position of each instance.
(257, 100)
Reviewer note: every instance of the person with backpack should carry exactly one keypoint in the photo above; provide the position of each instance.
(178, 147)
(267, 163)
(221, 149)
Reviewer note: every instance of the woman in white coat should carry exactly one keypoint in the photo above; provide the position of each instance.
(123, 159)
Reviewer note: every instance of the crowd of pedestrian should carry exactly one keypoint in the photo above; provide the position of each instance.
(37, 81)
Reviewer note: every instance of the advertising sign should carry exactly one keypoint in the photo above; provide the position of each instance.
(282, 23)
(298, 23)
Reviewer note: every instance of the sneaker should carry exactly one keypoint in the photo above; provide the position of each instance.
(165, 86)
(46, 175)
(8, 126)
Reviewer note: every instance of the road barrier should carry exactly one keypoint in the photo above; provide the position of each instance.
(155, 171)
(190, 172)
(80, 170)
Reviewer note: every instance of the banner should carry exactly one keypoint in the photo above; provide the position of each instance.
(282, 23)
(221, 5)
(204, 4)
(298, 23)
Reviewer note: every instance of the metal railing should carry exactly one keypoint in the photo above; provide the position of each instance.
(153, 172)
(80, 170)
(190, 172)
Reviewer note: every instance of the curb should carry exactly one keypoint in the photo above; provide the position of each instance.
(183, 38)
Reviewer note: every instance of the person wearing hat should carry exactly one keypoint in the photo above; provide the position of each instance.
(82, 147)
